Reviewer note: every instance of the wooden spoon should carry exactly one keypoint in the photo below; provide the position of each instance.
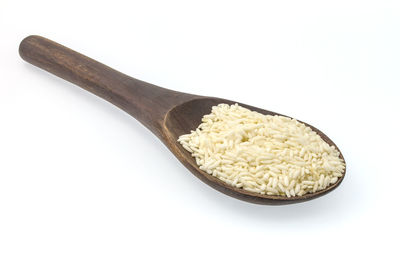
(168, 114)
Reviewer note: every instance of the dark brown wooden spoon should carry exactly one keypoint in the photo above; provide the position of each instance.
(168, 114)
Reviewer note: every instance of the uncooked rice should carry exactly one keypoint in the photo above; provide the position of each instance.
(272, 155)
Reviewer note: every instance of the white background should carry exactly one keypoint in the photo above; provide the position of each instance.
(84, 184)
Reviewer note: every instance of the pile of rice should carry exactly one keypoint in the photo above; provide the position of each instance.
(271, 155)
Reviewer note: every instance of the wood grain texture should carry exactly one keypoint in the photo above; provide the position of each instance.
(167, 113)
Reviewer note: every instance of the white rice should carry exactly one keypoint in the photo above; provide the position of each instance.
(271, 155)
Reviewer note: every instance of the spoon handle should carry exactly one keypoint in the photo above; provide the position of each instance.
(146, 102)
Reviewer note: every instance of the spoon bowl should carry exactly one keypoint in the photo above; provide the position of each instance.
(166, 113)
(187, 116)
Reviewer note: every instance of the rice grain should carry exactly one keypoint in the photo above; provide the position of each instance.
(273, 155)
